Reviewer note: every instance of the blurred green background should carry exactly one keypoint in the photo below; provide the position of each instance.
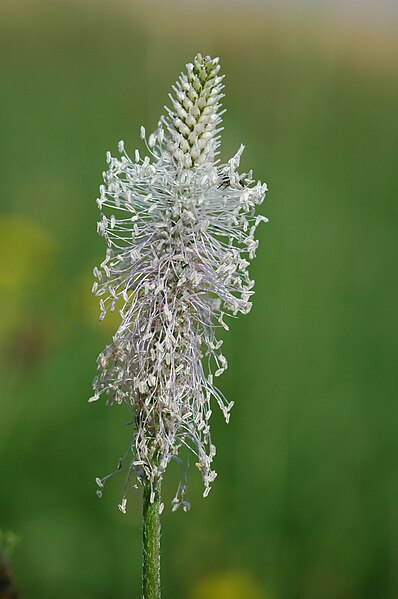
(306, 502)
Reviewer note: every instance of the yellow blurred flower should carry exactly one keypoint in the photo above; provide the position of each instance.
(229, 585)
(25, 252)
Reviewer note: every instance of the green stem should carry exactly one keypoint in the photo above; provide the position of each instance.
(151, 543)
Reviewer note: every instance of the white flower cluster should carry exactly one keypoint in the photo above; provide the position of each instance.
(179, 227)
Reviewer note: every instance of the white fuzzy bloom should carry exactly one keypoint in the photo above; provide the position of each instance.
(179, 228)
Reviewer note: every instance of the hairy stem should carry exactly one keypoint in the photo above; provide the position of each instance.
(151, 543)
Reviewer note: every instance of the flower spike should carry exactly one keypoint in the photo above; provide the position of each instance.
(179, 228)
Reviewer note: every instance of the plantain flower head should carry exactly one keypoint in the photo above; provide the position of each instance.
(179, 227)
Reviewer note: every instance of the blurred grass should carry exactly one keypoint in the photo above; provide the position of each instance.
(305, 505)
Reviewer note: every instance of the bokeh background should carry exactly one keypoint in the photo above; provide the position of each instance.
(306, 502)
